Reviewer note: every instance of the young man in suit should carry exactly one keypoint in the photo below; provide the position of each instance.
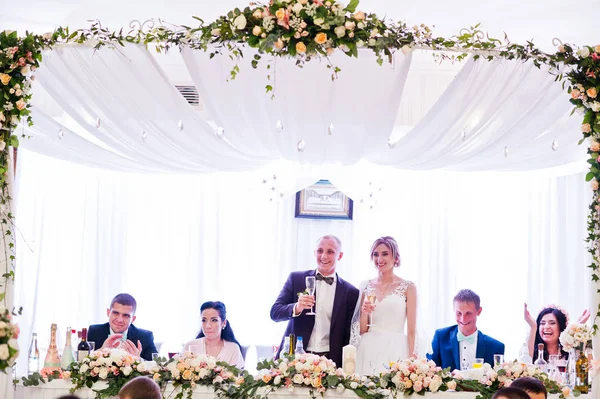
(120, 332)
(327, 332)
(458, 346)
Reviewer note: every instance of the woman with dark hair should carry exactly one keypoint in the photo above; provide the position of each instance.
(391, 302)
(546, 329)
(216, 337)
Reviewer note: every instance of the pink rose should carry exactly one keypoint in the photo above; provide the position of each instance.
(21, 105)
(594, 184)
(586, 128)
(575, 94)
(418, 386)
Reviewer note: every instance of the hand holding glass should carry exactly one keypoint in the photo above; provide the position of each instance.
(310, 287)
(371, 297)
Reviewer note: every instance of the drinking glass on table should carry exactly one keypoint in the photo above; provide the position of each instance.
(551, 367)
(498, 360)
(311, 287)
(478, 363)
(92, 346)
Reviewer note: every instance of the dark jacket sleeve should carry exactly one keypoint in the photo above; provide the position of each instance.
(148, 347)
(283, 308)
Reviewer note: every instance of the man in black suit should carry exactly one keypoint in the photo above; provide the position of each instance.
(327, 332)
(119, 332)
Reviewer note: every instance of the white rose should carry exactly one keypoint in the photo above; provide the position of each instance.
(215, 32)
(360, 43)
(583, 52)
(103, 373)
(2, 145)
(297, 8)
(194, 362)
(297, 379)
(340, 388)
(256, 30)
(340, 31)
(211, 362)
(3, 352)
(127, 370)
(141, 367)
(202, 373)
(354, 385)
(240, 22)
(84, 368)
(175, 373)
(350, 25)
(319, 21)
(14, 120)
(218, 379)
(372, 42)
(360, 25)
(13, 343)
(435, 384)
(277, 380)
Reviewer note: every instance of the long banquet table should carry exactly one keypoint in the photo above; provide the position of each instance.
(56, 388)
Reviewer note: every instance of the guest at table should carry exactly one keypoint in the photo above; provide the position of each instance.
(510, 393)
(326, 331)
(140, 388)
(532, 386)
(545, 329)
(461, 344)
(216, 336)
(120, 332)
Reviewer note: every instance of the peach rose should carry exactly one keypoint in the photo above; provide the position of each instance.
(257, 13)
(321, 38)
(591, 92)
(561, 49)
(266, 378)
(280, 14)
(566, 391)
(595, 146)
(451, 385)
(300, 47)
(586, 128)
(21, 105)
(594, 184)
(575, 93)
(5, 78)
(256, 31)
(279, 44)
(187, 374)
(359, 16)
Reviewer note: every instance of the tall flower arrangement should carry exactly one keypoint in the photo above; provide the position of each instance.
(9, 333)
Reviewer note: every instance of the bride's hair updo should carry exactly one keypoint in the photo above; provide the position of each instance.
(391, 244)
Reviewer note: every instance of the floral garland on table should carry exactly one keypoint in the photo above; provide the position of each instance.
(304, 29)
(9, 333)
(415, 376)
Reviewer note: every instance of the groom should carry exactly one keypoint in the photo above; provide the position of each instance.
(328, 331)
(463, 343)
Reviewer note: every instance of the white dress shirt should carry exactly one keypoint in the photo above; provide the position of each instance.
(468, 352)
(319, 338)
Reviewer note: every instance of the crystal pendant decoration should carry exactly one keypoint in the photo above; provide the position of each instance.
(98, 122)
(554, 145)
(505, 152)
(301, 145)
(330, 129)
(144, 136)
(220, 132)
(279, 127)
(61, 134)
(180, 125)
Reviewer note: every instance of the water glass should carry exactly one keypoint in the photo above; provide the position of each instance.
(498, 360)
(478, 363)
(155, 357)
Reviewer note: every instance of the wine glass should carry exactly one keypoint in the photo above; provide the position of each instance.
(310, 287)
(371, 297)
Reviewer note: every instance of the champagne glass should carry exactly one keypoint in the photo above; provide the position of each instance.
(371, 297)
(310, 287)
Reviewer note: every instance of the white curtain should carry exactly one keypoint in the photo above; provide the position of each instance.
(175, 241)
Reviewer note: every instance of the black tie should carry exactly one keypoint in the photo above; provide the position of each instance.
(328, 280)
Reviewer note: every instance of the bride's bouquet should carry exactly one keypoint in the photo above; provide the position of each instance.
(575, 336)
(415, 376)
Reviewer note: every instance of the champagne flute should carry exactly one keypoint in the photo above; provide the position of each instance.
(311, 287)
(371, 297)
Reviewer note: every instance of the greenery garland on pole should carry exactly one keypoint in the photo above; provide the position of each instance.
(303, 29)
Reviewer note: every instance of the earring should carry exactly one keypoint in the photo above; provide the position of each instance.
(223, 328)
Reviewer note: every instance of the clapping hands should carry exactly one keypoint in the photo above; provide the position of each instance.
(116, 341)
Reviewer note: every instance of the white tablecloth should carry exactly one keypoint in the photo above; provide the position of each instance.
(56, 388)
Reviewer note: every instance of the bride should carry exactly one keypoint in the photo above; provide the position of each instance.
(393, 304)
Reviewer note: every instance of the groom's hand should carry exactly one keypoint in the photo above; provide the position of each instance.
(304, 302)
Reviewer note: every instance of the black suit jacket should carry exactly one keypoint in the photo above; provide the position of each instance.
(344, 302)
(446, 349)
(99, 332)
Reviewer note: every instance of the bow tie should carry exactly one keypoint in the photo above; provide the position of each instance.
(461, 337)
(328, 280)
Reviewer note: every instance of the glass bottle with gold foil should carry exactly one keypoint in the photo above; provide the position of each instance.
(581, 368)
(52, 360)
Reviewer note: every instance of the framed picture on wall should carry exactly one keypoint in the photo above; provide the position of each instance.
(323, 200)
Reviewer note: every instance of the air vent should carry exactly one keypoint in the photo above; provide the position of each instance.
(190, 94)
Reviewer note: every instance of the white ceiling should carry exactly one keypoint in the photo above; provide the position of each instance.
(541, 20)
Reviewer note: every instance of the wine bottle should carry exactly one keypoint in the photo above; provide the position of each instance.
(83, 349)
(581, 370)
(52, 360)
(33, 366)
(67, 357)
(540, 362)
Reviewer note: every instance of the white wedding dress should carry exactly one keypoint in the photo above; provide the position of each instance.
(385, 341)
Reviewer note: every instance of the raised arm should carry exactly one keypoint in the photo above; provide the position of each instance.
(411, 317)
(532, 330)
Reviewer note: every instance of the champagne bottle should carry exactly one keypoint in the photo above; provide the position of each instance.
(581, 370)
(33, 366)
(83, 349)
(52, 360)
(67, 357)
(540, 362)
(292, 345)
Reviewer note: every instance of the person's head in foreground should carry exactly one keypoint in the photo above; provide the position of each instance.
(532, 386)
(510, 393)
(140, 388)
